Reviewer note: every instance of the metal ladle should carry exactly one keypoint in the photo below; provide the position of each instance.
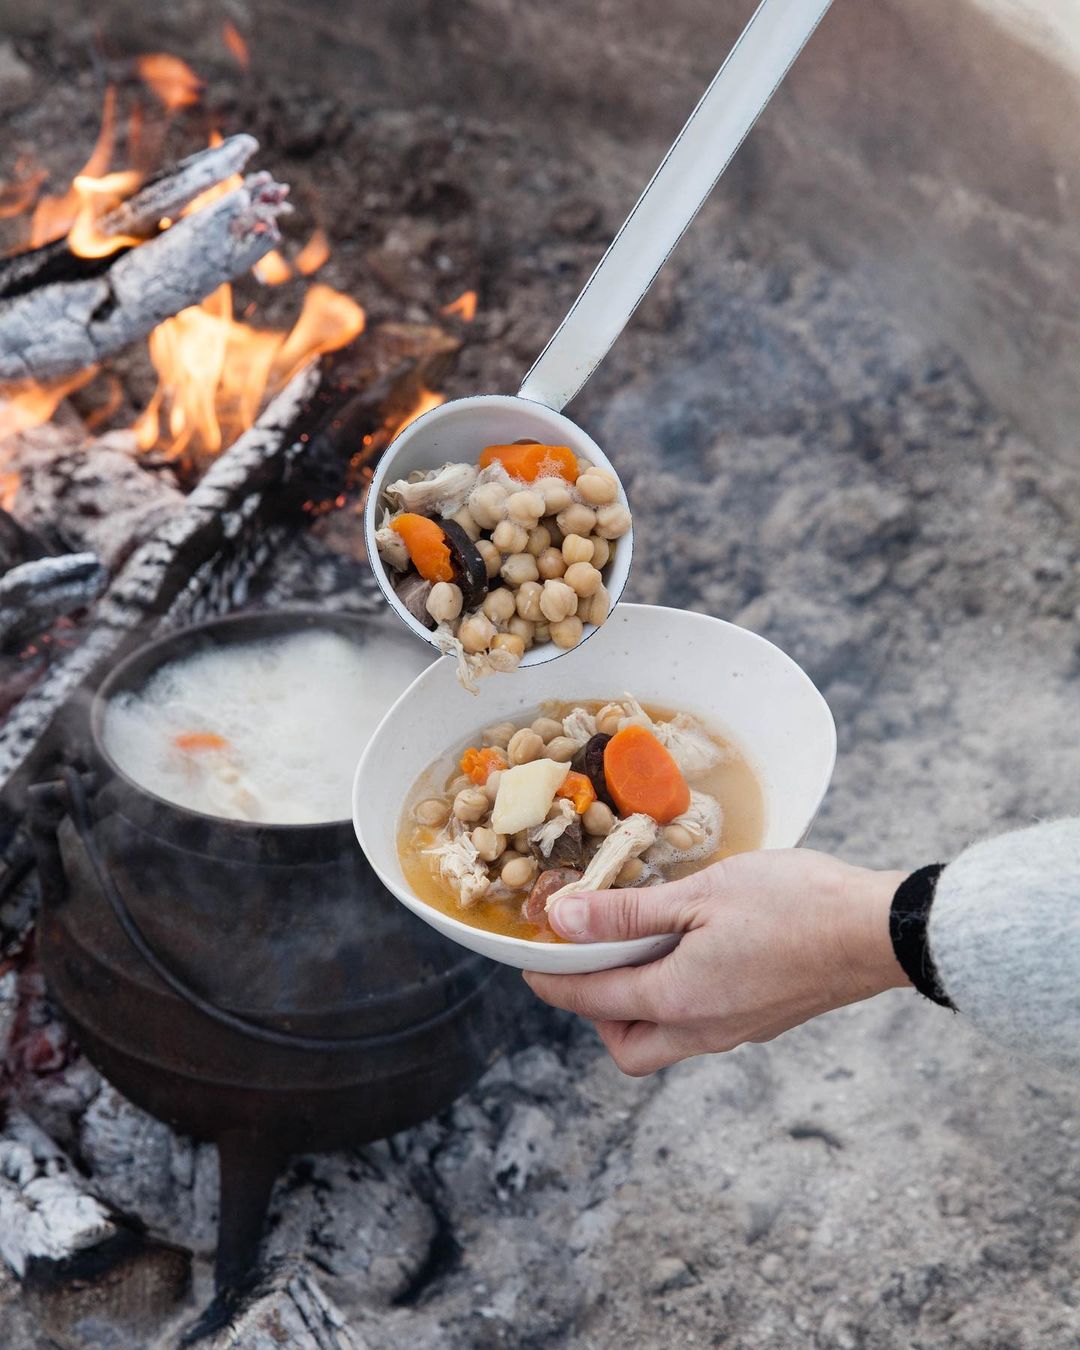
(458, 430)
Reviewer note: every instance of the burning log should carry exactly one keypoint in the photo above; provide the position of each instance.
(161, 197)
(62, 326)
(34, 594)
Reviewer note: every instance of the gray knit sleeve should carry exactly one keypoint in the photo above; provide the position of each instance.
(1004, 935)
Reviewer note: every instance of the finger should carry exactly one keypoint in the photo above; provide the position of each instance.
(615, 916)
(641, 1048)
(621, 995)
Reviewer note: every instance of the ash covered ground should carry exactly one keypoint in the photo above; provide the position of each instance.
(797, 463)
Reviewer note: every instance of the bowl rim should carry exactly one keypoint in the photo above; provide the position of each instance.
(421, 907)
(624, 554)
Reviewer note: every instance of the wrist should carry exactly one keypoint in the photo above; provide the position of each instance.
(866, 940)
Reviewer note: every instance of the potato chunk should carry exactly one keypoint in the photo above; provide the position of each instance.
(525, 794)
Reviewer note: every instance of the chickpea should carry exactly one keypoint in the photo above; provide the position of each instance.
(576, 549)
(526, 508)
(518, 873)
(509, 537)
(551, 564)
(556, 494)
(539, 540)
(460, 784)
(487, 843)
(596, 608)
(583, 578)
(609, 717)
(577, 519)
(601, 552)
(466, 520)
(508, 642)
(525, 746)
(547, 728)
(488, 504)
(491, 787)
(528, 600)
(475, 633)
(678, 836)
(519, 568)
(499, 735)
(434, 811)
(508, 855)
(541, 632)
(491, 556)
(521, 842)
(471, 805)
(561, 748)
(597, 487)
(523, 629)
(444, 602)
(612, 521)
(629, 872)
(557, 601)
(599, 820)
(499, 605)
(567, 633)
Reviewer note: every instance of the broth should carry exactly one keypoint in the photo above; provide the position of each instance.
(732, 782)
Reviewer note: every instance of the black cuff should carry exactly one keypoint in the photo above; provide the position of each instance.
(907, 928)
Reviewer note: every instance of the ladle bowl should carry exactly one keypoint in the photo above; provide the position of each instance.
(457, 432)
(737, 682)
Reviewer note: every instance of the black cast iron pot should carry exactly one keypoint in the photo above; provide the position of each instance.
(254, 985)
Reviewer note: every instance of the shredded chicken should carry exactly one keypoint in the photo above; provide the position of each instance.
(692, 749)
(546, 835)
(460, 865)
(472, 668)
(580, 726)
(627, 840)
(391, 546)
(703, 818)
(441, 491)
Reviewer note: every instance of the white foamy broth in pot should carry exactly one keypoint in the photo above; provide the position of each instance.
(267, 730)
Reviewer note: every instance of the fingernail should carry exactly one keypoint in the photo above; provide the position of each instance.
(570, 917)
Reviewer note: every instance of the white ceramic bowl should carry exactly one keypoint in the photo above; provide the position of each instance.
(457, 432)
(736, 681)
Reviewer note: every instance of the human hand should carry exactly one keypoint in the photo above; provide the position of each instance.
(769, 940)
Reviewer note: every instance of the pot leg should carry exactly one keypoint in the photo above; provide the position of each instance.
(249, 1168)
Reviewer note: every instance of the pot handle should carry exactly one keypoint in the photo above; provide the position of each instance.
(78, 805)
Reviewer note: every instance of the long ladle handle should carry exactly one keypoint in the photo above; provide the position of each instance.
(764, 53)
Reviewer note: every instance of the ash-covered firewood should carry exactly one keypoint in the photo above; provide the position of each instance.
(162, 196)
(54, 329)
(88, 494)
(34, 594)
(287, 1308)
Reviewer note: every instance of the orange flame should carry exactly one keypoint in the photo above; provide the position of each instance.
(95, 195)
(464, 307)
(20, 194)
(54, 216)
(27, 403)
(214, 372)
(427, 400)
(237, 47)
(272, 269)
(172, 81)
(314, 253)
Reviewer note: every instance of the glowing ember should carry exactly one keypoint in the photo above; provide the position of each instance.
(464, 307)
(173, 81)
(237, 47)
(214, 372)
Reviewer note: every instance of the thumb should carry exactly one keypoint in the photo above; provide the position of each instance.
(615, 916)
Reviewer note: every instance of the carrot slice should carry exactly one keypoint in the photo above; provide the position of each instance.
(578, 788)
(532, 461)
(428, 549)
(642, 776)
(481, 764)
(190, 741)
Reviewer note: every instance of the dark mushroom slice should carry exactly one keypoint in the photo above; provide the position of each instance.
(567, 850)
(592, 765)
(413, 591)
(470, 570)
(534, 910)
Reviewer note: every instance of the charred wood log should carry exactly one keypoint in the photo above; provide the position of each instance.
(62, 326)
(35, 594)
(162, 196)
(287, 1308)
